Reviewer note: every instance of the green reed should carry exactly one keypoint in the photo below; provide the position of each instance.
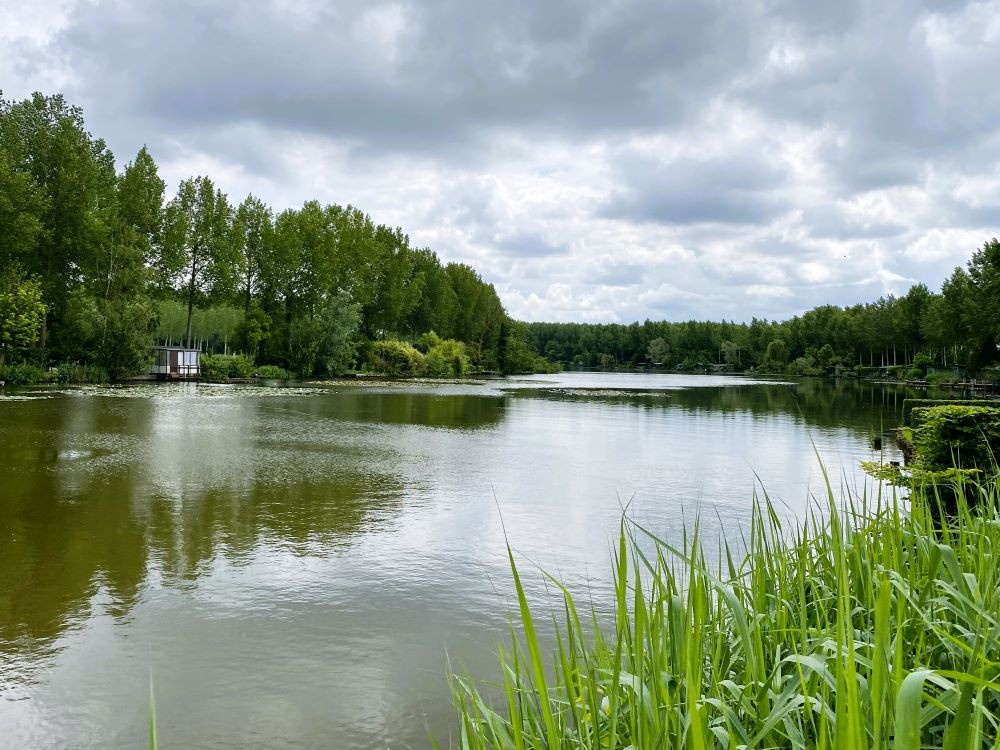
(872, 624)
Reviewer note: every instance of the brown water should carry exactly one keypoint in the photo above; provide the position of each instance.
(294, 567)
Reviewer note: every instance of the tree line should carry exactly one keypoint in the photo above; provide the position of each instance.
(96, 262)
(959, 326)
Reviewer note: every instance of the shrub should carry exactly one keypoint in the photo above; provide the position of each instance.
(918, 368)
(446, 359)
(73, 372)
(803, 366)
(956, 435)
(272, 372)
(395, 359)
(427, 341)
(22, 374)
(226, 366)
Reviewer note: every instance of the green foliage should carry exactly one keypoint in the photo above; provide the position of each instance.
(22, 373)
(427, 341)
(920, 364)
(395, 359)
(226, 367)
(299, 290)
(955, 435)
(21, 311)
(74, 372)
(217, 327)
(909, 404)
(869, 626)
(324, 344)
(197, 255)
(776, 354)
(272, 372)
(126, 336)
(658, 351)
(961, 324)
(446, 359)
(253, 329)
(803, 366)
(516, 354)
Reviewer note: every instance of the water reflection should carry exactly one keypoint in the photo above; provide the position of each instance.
(293, 565)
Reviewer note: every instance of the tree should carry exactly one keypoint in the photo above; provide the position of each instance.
(251, 230)
(339, 319)
(982, 316)
(69, 177)
(658, 351)
(21, 311)
(776, 353)
(129, 324)
(196, 252)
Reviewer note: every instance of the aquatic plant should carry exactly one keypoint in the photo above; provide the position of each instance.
(874, 623)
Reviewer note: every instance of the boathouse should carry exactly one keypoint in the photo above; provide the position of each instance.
(176, 363)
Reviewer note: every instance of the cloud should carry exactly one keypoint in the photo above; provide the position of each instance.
(596, 161)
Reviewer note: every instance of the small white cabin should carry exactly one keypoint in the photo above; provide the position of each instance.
(176, 363)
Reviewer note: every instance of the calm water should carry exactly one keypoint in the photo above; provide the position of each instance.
(294, 566)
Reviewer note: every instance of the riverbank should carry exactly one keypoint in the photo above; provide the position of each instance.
(873, 624)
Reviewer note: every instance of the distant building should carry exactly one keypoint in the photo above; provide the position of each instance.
(176, 363)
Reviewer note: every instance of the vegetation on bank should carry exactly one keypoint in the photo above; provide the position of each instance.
(874, 624)
(97, 263)
(949, 446)
(921, 335)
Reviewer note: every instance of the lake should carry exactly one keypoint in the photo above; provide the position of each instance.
(295, 567)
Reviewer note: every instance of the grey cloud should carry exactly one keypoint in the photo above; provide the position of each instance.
(739, 188)
(456, 68)
(528, 245)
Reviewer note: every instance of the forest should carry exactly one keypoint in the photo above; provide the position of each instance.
(957, 329)
(97, 263)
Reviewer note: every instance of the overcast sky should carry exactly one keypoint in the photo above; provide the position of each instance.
(599, 161)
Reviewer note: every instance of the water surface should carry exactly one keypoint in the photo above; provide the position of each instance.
(294, 566)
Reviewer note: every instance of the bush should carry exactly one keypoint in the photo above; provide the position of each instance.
(427, 341)
(273, 372)
(395, 359)
(803, 366)
(446, 359)
(226, 367)
(72, 372)
(918, 368)
(22, 374)
(956, 436)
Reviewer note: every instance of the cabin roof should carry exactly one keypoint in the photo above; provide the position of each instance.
(177, 348)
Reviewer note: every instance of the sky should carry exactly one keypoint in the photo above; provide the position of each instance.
(596, 161)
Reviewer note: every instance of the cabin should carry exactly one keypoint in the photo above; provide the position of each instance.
(176, 363)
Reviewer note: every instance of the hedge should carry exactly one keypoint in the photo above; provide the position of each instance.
(910, 404)
(956, 435)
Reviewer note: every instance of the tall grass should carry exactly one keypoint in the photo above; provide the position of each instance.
(873, 624)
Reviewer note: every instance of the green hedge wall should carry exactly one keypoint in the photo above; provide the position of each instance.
(910, 404)
(956, 436)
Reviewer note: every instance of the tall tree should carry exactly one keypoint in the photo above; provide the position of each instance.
(252, 227)
(196, 251)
